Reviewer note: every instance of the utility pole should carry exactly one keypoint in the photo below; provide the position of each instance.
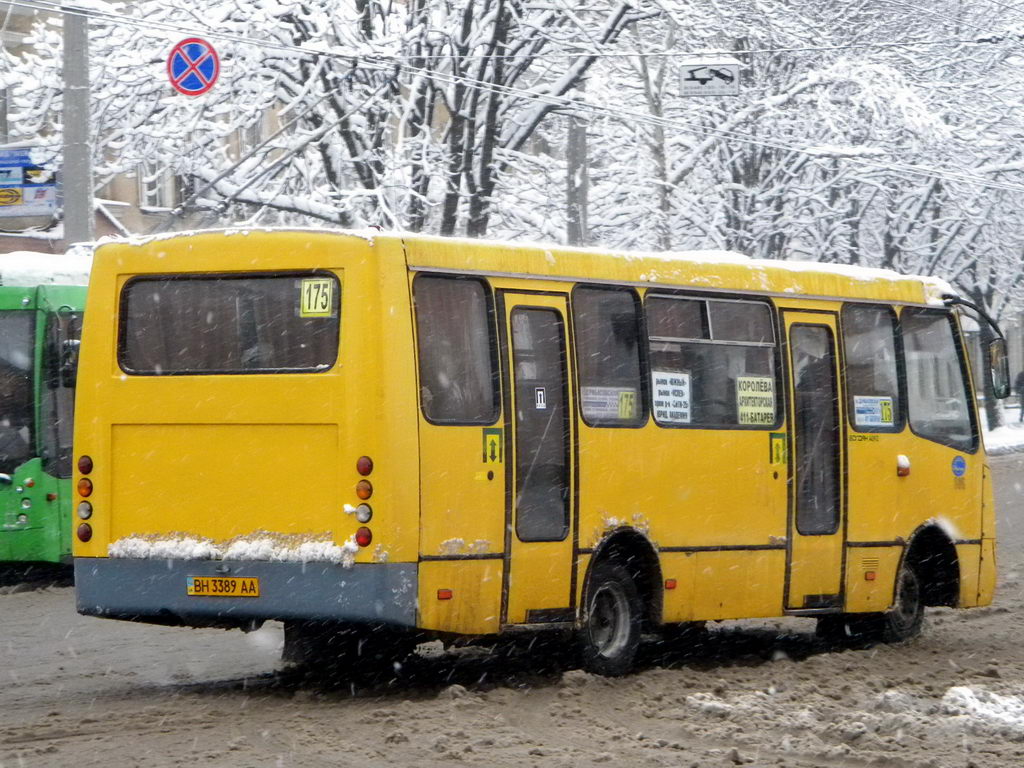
(76, 178)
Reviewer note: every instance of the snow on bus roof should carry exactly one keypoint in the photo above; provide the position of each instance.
(30, 268)
(934, 288)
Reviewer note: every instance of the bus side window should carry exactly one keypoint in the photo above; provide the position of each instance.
(457, 360)
(937, 389)
(872, 383)
(607, 328)
(712, 362)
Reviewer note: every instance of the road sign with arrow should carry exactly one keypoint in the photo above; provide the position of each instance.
(710, 77)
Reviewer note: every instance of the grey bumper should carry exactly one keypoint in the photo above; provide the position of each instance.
(154, 591)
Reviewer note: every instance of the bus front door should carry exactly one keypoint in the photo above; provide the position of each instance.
(816, 525)
(540, 508)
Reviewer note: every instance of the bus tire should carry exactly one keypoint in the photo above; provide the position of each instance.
(610, 635)
(901, 622)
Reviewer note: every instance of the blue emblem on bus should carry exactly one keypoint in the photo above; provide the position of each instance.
(959, 466)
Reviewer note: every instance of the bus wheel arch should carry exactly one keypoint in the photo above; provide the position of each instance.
(933, 557)
(620, 597)
(634, 552)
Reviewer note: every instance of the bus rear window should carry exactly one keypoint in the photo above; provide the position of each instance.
(229, 324)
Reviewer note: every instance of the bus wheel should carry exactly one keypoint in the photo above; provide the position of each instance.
(903, 621)
(610, 634)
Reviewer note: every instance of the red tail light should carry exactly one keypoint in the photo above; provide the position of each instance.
(364, 465)
(84, 532)
(85, 464)
(364, 537)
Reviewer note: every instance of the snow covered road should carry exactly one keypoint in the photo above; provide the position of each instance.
(86, 692)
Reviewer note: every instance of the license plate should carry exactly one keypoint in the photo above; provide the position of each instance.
(223, 586)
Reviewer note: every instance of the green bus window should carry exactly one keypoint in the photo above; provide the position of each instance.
(872, 384)
(936, 385)
(63, 332)
(712, 363)
(458, 369)
(230, 324)
(17, 340)
(606, 324)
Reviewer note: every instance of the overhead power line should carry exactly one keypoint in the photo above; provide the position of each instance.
(557, 101)
(53, 7)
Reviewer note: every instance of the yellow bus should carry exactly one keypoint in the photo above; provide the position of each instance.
(372, 436)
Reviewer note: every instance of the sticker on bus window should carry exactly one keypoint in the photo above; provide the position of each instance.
(671, 396)
(316, 297)
(755, 400)
(608, 402)
(872, 411)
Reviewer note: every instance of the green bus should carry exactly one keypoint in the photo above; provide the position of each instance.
(40, 328)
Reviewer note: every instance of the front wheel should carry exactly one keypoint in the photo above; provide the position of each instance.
(610, 634)
(901, 622)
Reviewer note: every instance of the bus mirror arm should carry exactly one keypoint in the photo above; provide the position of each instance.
(998, 359)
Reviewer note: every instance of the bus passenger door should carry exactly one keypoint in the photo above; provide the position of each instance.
(817, 526)
(540, 508)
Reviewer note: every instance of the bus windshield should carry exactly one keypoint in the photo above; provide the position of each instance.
(16, 337)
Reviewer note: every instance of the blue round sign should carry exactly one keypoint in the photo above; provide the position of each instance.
(193, 66)
(959, 466)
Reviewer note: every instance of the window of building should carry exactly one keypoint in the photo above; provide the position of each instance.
(607, 328)
(712, 362)
(457, 360)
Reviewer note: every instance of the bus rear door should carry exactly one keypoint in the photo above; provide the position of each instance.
(540, 518)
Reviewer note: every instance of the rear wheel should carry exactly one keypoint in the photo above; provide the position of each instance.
(610, 634)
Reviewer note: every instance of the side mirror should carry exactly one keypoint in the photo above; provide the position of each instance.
(69, 362)
(999, 368)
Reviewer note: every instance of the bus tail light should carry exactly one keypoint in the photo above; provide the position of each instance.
(364, 513)
(85, 487)
(84, 510)
(84, 532)
(444, 594)
(85, 464)
(364, 537)
(364, 465)
(364, 490)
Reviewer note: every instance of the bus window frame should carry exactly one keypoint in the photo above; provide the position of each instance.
(642, 343)
(774, 322)
(492, 345)
(965, 378)
(903, 413)
(122, 300)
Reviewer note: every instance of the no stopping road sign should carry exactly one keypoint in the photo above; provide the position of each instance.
(193, 66)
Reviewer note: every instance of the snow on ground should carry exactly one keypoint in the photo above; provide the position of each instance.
(1008, 438)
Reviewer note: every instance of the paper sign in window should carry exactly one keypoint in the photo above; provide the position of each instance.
(608, 402)
(317, 297)
(755, 400)
(671, 396)
(873, 411)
